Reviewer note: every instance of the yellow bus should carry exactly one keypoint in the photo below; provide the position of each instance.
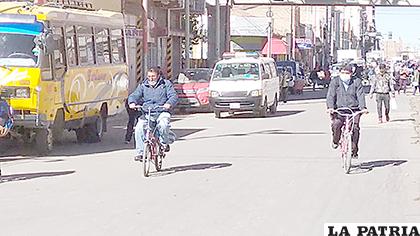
(63, 66)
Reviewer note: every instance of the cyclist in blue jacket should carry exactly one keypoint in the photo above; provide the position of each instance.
(6, 121)
(152, 92)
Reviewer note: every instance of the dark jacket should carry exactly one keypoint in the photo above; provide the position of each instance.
(152, 96)
(353, 97)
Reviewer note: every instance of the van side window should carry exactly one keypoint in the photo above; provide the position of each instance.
(273, 70)
(267, 69)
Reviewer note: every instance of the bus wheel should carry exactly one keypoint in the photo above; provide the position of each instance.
(94, 131)
(43, 141)
(81, 135)
(58, 127)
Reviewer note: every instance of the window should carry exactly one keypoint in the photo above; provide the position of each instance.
(117, 46)
(85, 45)
(59, 54)
(71, 46)
(102, 46)
(273, 69)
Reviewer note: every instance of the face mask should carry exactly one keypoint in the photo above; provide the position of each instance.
(345, 77)
(153, 83)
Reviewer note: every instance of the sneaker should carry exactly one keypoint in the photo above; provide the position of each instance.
(167, 148)
(334, 145)
(355, 156)
(387, 118)
(138, 158)
(380, 120)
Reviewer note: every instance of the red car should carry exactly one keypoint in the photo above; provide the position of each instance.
(192, 87)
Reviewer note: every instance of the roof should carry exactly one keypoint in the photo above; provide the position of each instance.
(97, 17)
(279, 47)
(248, 26)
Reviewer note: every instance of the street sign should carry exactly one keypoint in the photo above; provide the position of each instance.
(397, 3)
(132, 32)
(303, 43)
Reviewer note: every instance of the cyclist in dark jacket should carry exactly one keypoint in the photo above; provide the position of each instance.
(346, 90)
(152, 92)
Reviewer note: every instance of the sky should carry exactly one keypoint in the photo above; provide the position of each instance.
(404, 22)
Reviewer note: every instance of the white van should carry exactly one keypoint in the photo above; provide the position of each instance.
(244, 82)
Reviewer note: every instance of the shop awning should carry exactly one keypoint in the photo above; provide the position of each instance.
(279, 47)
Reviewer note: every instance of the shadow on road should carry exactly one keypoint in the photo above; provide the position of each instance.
(194, 167)
(262, 132)
(28, 176)
(248, 115)
(112, 141)
(365, 167)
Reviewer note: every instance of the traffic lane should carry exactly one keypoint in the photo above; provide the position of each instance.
(251, 190)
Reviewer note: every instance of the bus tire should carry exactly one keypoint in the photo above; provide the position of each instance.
(43, 141)
(58, 127)
(81, 135)
(94, 131)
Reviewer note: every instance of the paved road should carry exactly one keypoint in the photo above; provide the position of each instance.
(233, 176)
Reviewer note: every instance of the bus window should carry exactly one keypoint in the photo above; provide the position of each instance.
(71, 46)
(102, 46)
(85, 45)
(59, 54)
(117, 46)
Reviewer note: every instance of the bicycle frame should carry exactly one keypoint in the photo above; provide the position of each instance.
(346, 135)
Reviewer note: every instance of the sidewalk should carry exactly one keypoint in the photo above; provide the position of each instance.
(415, 107)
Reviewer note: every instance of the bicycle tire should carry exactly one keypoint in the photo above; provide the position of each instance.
(159, 159)
(146, 159)
(346, 153)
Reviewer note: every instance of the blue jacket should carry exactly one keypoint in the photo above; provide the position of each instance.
(152, 96)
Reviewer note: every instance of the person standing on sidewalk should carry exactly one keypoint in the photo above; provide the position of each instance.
(383, 87)
(416, 80)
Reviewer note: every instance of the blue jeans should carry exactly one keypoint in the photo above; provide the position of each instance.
(162, 128)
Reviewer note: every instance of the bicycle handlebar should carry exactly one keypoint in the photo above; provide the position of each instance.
(140, 107)
(351, 114)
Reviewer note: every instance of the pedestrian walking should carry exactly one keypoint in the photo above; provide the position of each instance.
(416, 80)
(383, 87)
(313, 77)
(404, 75)
(284, 85)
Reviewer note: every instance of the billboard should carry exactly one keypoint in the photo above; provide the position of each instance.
(394, 3)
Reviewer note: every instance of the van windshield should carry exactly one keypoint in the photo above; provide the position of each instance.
(236, 71)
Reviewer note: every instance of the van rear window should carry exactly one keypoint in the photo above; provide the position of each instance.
(236, 71)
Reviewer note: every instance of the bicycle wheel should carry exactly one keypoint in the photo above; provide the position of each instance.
(147, 157)
(159, 158)
(346, 153)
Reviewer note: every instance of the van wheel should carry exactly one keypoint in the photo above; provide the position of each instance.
(273, 108)
(263, 110)
(217, 114)
(43, 141)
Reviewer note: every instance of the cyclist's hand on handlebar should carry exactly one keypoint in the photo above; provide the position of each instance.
(330, 111)
(132, 106)
(167, 106)
(365, 111)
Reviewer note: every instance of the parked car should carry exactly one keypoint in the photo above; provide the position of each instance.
(295, 69)
(192, 87)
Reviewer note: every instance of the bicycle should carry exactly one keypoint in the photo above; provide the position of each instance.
(154, 150)
(346, 135)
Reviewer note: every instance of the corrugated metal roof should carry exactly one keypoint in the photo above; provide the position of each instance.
(248, 26)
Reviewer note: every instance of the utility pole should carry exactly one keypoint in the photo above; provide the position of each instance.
(218, 29)
(292, 34)
(270, 32)
(187, 34)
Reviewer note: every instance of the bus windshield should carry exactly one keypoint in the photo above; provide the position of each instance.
(236, 71)
(18, 50)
